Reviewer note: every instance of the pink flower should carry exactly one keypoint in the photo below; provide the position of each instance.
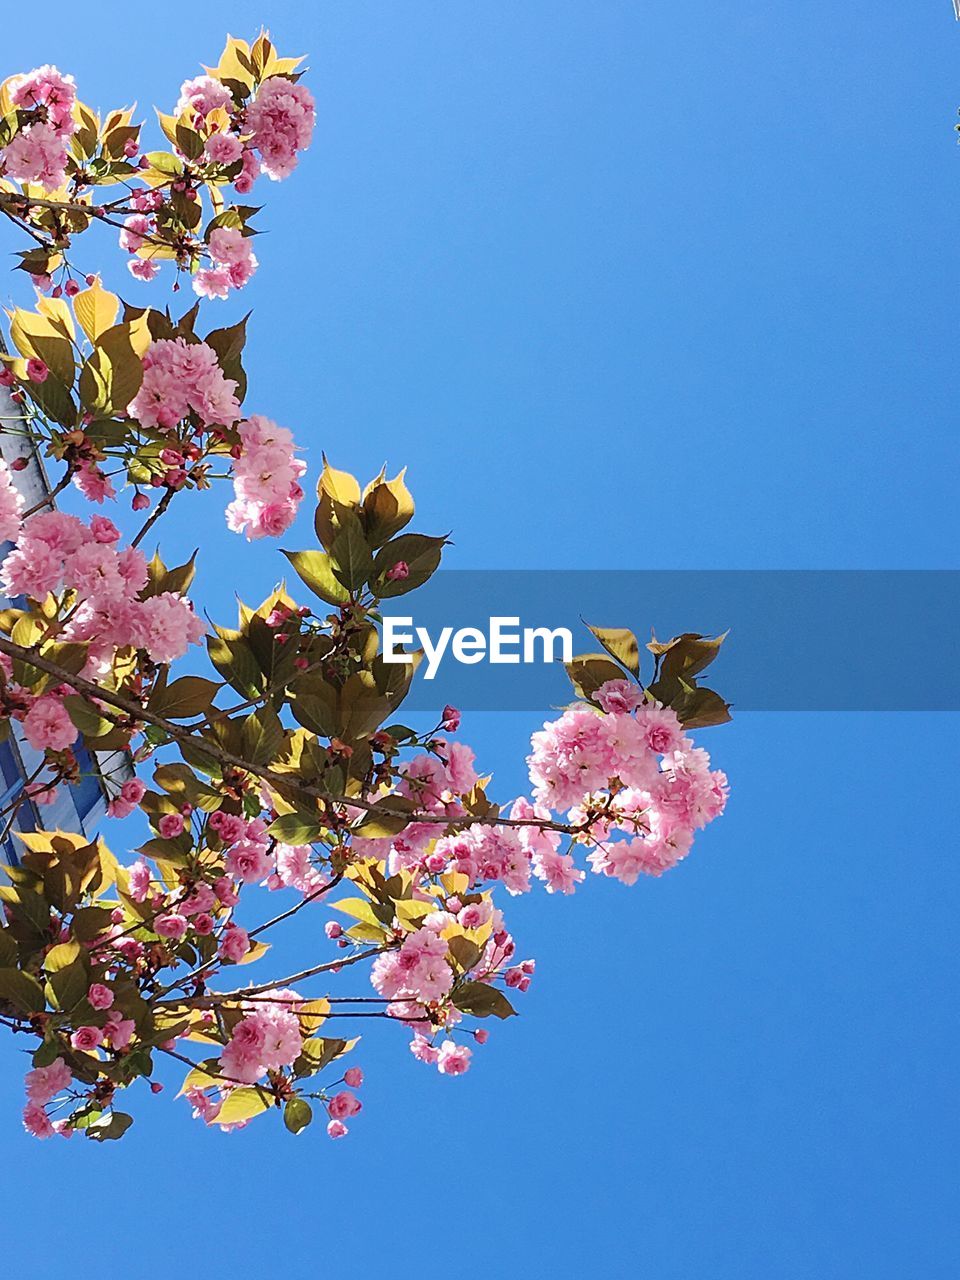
(223, 148)
(225, 891)
(337, 1129)
(170, 825)
(165, 626)
(104, 530)
(44, 1082)
(249, 861)
(131, 793)
(86, 1038)
(135, 228)
(234, 944)
(93, 483)
(50, 93)
(47, 725)
(295, 869)
(37, 1122)
(423, 1050)
(143, 269)
(454, 1059)
(418, 970)
(212, 282)
(179, 377)
(353, 1076)
(37, 154)
(171, 925)
(266, 480)
(660, 727)
(139, 880)
(100, 996)
(399, 571)
(281, 120)
(202, 95)
(343, 1105)
(245, 179)
(119, 1030)
(450, 719)
(620, 695)
(37, 371)
(474, 915)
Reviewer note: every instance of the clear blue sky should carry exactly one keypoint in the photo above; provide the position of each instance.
(648, 284)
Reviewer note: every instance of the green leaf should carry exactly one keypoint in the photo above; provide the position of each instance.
(90, 922)
(262, 736)
(166, 163)
(686, 655)
(188, 696)
(234, 659)
(388, 817)
(317, 1053)
(420, 553)
(242, 1104)
(350, 555)
(482, 1000)
(699, 708)
(68, 986)
(62, 955)
(387, 508)
(86, 717)
(29, 905)
(8, 949)
(109, 1126)
(622, 644)
(292, 828)
(189, 142)
(176, 852)
(316, 570)
(22, 990)
(111, 377)
(297, 1114)
(228, 344)
(465, 952)
(53, 400)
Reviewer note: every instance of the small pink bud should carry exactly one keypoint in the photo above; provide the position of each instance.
(71, 288)
(140, 502)
(399, 571)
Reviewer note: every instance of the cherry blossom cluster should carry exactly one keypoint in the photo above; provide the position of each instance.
(234, 264)
(37, 153)
(630, 777)
(180, 378)
(58, 553)
(266, 480)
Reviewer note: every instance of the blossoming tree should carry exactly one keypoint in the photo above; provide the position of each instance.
(284, 770)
